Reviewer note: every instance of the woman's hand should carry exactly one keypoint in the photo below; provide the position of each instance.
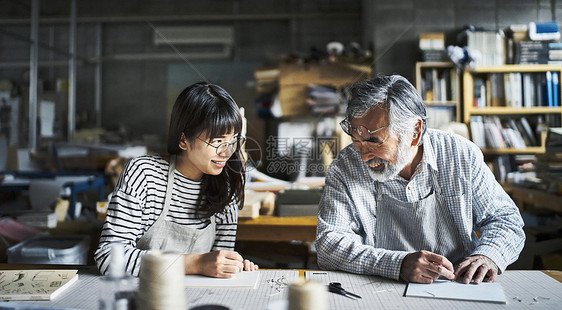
(218, 264)
(249, 266)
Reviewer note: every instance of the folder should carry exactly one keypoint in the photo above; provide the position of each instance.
(555, 89)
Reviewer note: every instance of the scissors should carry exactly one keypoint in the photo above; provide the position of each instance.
(335, 287)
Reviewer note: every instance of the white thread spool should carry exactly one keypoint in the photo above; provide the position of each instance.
(308, 295)
(161, 282)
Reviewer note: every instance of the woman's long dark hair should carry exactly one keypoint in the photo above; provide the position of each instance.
(208, 108)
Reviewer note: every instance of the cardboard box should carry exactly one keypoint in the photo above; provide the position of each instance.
(337, 75)
(294, 79)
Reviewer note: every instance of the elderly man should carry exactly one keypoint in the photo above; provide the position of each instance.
(406, 202)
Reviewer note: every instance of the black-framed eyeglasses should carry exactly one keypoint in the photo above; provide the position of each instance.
(362, 131)
(227, 147)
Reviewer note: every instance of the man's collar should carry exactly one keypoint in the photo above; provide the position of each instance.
(428, 153)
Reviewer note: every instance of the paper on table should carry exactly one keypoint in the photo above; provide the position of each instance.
(486, 291)
(35, 284)
(248, 279)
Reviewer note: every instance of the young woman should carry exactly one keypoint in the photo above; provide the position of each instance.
(186, 202)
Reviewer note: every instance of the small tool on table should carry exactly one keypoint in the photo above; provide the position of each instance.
(335, 287)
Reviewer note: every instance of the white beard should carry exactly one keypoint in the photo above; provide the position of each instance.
(403, 157)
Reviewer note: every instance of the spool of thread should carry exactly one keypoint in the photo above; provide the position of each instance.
(161, 282)
(308, 295)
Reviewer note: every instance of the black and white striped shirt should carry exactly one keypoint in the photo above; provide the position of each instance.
(138, 200)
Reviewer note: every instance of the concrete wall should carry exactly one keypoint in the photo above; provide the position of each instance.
(396, 24)
(134, 92)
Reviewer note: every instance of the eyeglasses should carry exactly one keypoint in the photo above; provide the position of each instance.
(362, 131)
(227, 147)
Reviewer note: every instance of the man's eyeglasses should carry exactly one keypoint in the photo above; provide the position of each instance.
(227, 147)
(362, 131)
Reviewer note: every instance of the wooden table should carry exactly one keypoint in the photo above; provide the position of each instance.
(275, 228)
(555, 274)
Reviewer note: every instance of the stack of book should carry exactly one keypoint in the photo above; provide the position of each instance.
(549, 166)
(432, 47)
(531, 52)
(323, 99)
(486, 47)
(492, 132)
(514, 33)
(538, 52)
(555, 53)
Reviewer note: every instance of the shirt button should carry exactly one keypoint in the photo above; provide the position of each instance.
(409, 188)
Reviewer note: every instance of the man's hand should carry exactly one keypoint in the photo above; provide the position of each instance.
(475, 269)
(425, 267)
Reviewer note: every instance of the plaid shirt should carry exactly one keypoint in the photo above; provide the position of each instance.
(346, 238)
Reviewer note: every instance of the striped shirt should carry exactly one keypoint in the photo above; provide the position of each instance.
(346, 237)
(138, 200)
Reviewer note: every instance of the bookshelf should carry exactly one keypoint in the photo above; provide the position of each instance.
(438, 85)
(493, 92)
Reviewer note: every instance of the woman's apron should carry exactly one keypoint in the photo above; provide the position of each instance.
(173, 237)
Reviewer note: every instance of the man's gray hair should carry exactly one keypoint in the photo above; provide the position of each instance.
(393, 93)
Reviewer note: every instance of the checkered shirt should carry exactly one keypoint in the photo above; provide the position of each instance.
(346, 235)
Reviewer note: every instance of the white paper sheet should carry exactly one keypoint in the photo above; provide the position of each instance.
(445, 289)
(248, 279)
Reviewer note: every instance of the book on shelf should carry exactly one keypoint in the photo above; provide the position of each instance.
(527, 131)
(517, 95)
(497, 90)
(514, 33)
(515, 133)
(35, 284)
(555, 89)
(479, 93)
(454, 82)
(531, 52)
(517, 89)
(553, 143)
(528, 91)
(502, 165)
(438, 116)
(438, 84)
(495, 133)
(486, 47)
(477, 131)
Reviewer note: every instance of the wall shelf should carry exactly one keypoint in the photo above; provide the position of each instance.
(438, 83)
(500, 106)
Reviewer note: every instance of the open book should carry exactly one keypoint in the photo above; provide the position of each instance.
(35, 284)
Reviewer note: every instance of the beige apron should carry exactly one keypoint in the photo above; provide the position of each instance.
(422, 225)
(173, 237)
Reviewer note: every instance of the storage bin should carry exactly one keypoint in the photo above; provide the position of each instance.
(68, 250)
